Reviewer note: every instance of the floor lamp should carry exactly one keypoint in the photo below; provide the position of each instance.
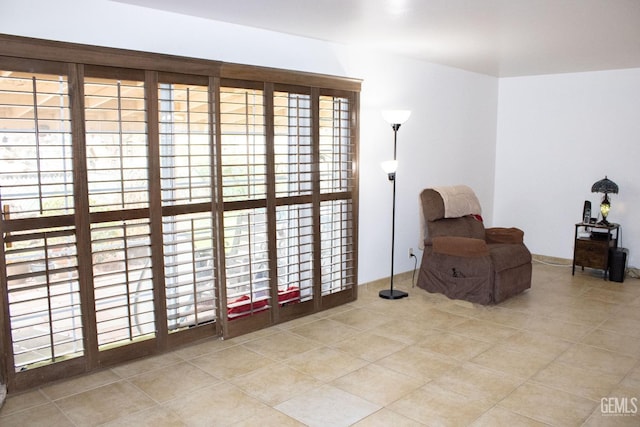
(395, 118)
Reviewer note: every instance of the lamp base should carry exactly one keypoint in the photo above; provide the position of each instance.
(604, 222)
(392, 294)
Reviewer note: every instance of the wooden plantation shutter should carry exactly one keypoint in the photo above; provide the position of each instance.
(149, 201)
(118, 191)
(337, 179)
(186, 173)
(294, 167)
(243, 163)
(36, 182)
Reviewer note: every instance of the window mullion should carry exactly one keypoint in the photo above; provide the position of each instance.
(271, 201)
(81, 213)
(155, 207)
(315, 179)
(218, 203)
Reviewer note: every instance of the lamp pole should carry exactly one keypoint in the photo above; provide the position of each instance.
(395, 120)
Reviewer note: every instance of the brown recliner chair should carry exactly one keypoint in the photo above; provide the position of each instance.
(463, 260)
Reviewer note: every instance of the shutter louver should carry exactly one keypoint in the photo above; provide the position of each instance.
(247, 262)
(336, 145)
(44, 298)
(244, 175)
(116, 145)
(336, 234)
(36, 174)
(294, 234)
(123, 283)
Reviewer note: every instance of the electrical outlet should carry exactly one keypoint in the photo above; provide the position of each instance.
(410, 252)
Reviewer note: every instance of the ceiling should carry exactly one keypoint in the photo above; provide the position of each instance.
(497, 37)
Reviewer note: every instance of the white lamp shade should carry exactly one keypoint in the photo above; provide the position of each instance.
(390, 166)
(396, 117)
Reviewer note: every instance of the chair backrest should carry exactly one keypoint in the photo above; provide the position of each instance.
(437, 225)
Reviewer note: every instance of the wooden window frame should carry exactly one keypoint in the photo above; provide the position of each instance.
(77, 61)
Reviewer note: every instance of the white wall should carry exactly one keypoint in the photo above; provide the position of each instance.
(449, 139)
(557, 135)
(113, 24)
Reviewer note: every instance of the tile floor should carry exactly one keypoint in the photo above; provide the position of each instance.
(546, 357)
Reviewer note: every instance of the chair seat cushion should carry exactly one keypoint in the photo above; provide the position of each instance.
(505, 255)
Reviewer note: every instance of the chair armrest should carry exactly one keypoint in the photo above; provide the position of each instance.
(460, 246)
(504, 235)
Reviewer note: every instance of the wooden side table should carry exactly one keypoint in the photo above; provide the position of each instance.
(592, 250)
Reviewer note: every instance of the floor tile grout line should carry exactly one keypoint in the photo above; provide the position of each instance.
(616, 308)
